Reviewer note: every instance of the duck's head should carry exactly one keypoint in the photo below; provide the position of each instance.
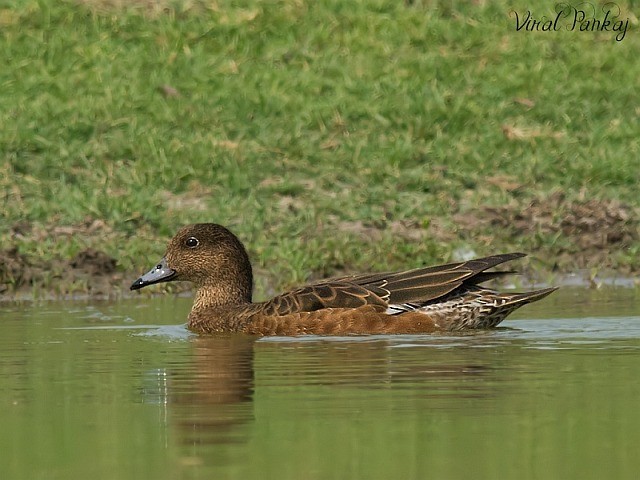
(208, 255)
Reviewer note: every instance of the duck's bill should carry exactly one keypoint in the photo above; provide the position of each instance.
(158, 274)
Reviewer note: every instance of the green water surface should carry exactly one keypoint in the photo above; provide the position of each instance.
(124, 391)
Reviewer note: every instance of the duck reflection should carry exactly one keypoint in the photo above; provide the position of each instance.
(211, 397)
(377, 363)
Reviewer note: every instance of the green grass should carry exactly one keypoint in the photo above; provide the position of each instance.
(294, 119)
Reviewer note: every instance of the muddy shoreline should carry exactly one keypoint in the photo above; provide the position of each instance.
(116, 286)
(582, 242)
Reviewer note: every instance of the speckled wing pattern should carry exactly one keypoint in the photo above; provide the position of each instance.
(336, 294)
(393, 293)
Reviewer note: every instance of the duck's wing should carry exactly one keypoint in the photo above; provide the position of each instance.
(382, 290)
(326, 295)
(430, 283)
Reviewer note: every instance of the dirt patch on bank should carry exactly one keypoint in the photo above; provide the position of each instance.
(584, 233)
(566, 235)
(90, 272)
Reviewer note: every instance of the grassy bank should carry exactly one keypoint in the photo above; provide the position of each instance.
(330, 136)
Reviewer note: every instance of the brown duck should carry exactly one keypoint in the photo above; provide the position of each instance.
(423, 300)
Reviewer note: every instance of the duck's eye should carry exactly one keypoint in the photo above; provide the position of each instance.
(192, 242)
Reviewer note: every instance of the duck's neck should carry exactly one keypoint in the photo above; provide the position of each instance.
(211, 296)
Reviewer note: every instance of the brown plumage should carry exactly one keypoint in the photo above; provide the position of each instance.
(423, 300)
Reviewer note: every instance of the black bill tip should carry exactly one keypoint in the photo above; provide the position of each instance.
(158, 274)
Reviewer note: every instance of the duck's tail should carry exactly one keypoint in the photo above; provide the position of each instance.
(492, 308)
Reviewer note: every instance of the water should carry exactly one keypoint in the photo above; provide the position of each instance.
(123, 390)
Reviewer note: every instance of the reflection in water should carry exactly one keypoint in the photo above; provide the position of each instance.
(544, 397)
(211, 400)
(370, 363)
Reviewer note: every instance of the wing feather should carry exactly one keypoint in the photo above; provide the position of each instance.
(417, 286)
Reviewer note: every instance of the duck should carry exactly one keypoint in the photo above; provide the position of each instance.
(424, 300)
